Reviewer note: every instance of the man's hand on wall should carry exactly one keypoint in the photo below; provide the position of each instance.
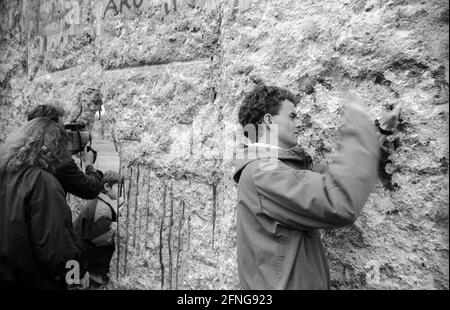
(389, 119)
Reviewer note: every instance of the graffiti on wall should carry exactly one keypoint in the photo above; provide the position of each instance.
(53, 23)
(61, 27)
(115, 7)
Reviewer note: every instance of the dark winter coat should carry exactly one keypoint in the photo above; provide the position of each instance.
(36, 232)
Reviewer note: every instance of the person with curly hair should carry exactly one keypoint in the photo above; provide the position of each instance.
(37, 238)
(284, 200)
(84, 185)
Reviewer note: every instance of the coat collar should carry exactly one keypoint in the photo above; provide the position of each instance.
(295, 157)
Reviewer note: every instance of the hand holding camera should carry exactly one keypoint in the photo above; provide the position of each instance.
(89, 156)
(390, 119)
(79, 139)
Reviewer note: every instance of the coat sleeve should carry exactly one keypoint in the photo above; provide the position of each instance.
(53, 240)
(84, 185)
(303, 199)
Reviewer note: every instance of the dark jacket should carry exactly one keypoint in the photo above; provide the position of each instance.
(93, 227)
(84, 185)
(282, 204)
(36, 233)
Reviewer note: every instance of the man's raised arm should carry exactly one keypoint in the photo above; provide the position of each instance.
(303, 199)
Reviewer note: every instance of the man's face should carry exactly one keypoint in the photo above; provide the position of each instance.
(287, 120)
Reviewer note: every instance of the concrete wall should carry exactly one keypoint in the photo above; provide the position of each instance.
(170, 76)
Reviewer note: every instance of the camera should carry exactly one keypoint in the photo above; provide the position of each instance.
(79, 138)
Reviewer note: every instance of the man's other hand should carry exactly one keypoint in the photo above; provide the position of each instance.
(389, 119)
(88, 157)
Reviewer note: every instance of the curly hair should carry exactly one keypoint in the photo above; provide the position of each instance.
(47, 110)
(260, 101)
(40, 143)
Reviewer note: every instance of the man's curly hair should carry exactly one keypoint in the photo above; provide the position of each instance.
(260, 101)
(40, 143)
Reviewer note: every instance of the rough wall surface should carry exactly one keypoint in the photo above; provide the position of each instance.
(170, 76)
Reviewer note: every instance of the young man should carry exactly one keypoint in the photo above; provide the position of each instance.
(282, 202)
(73, 180)
(96, 227)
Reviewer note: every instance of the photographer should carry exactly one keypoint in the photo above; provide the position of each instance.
(84, 185)
(37, 238)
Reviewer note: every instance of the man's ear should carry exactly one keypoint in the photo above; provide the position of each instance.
(106, 187)
(268, 120)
